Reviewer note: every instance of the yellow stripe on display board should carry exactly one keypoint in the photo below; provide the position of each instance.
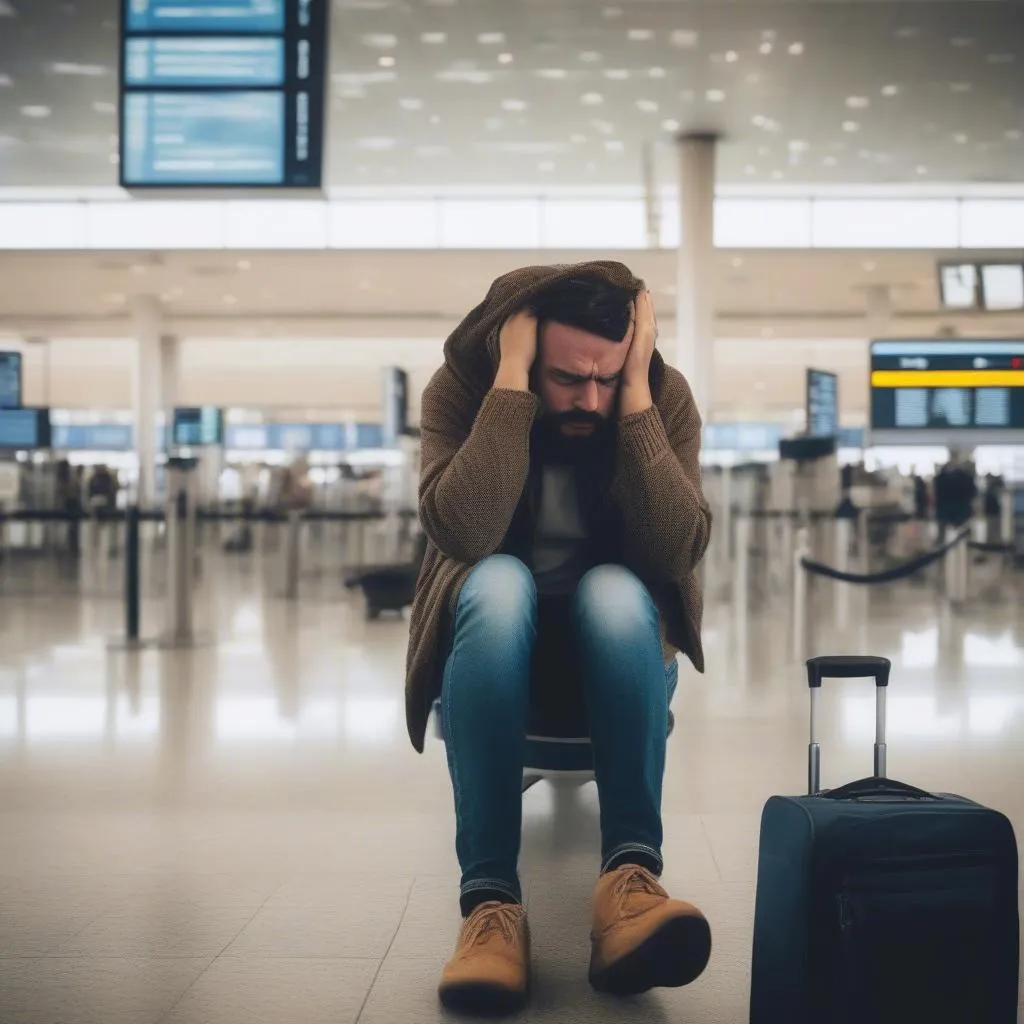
(947, 379)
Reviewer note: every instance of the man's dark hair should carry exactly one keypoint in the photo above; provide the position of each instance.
(588, 304)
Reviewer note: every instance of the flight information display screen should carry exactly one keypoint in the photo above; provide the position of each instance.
(822, 404)
(223, 93)
(24, 429)
(10, 380)
(199, 426)
(964, 389)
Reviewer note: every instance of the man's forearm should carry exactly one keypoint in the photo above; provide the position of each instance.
(511, 377)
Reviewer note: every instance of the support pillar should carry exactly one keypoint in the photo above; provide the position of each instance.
(147, 395)
(695, 301)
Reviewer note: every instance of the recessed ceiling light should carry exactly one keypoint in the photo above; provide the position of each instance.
(614, 145)
(435, 118)
(858, 102)
(960, 42)
(505, 58)
(612, 12)
(466, 76)
(647, 106)
(796, 49)
(590, 56)
(491, 38)
(6, 81)
(513, 105)
(553, 74)
(908, 32)
(577, 139)
(777, 175)
(684, 39)
(411, 103)
(245, 264)
(959, 87)
(376, 143)
(961, 138)
(851, 126)
(80, 70)
(35, 111)
(765, 48)
(731, 57)
(434, 38)
(379, 40)
(640, 35)
(592, 99)
(616, 74)
(921, 169)
(604, 127)
(656, 72)
(890, 90)
(386, 62)
(670, 125)
(714, 95)
(798, 145)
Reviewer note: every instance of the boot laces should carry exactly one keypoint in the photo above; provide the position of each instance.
(493, 918)
(637, 881)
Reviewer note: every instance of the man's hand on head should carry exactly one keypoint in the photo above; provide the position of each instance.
(636, 386)
(518, 346)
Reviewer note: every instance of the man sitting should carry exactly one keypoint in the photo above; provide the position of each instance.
(561, 498)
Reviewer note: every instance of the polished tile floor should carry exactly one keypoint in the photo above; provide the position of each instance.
(240, 832)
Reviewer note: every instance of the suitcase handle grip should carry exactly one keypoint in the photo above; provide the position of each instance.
(845, 666)
(876, 787)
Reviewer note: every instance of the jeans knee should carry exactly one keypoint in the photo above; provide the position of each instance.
(501, 588)
(614, 599)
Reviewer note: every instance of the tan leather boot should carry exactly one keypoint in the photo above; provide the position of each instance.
(489, 973)
(641, 939)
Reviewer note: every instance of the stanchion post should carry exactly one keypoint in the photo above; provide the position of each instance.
(864, 541)
(843, 537)
(131, 573)
(291, 552)
(1006, 516)
(180, 550)
(741, 565)
(801, 551)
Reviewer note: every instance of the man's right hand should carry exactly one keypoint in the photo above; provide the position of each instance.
(518, 346)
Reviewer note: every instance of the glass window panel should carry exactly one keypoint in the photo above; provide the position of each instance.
(762, 223)
(1003, 285)
(275, 224)
(593, 224)
(992, 223)
(892, 224)
(146, 224)
(42, 225)
(384, 224)
(490, 224)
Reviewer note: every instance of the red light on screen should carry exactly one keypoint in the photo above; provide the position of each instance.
(1016, 362)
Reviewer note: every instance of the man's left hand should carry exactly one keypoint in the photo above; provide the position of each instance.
(636, 388)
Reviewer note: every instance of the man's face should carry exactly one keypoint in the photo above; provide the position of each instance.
(577, 378)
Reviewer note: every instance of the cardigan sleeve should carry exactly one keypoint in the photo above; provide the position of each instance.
(474, 467)
(657, 487)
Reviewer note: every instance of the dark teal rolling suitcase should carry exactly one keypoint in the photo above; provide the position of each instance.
(879, 903)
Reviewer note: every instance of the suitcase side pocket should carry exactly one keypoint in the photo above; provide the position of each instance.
(919, 939)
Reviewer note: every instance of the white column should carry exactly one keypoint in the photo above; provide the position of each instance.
(695, 301)
(146, 394)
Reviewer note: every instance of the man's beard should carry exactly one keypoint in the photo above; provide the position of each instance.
(555, 446)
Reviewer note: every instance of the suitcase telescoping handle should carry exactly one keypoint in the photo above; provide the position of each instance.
(846, 667)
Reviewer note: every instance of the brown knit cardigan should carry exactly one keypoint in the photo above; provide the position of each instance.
(475, 462)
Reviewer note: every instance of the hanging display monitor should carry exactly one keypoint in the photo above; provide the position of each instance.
(10, 380)
(947, 392)
(223, 93)
(24, 429)
(822, 404)
(198, 427)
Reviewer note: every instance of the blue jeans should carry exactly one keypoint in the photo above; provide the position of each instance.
(485, 704)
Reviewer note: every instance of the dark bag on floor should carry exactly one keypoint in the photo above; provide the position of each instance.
(879, 903)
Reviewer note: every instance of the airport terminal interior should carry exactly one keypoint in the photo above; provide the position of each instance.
(234, 238)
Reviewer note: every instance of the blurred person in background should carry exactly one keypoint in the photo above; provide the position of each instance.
(69, 500)
(561, 497)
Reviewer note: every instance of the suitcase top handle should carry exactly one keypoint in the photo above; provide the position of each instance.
(845, 666)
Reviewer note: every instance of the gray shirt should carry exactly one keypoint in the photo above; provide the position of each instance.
(560, 536)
